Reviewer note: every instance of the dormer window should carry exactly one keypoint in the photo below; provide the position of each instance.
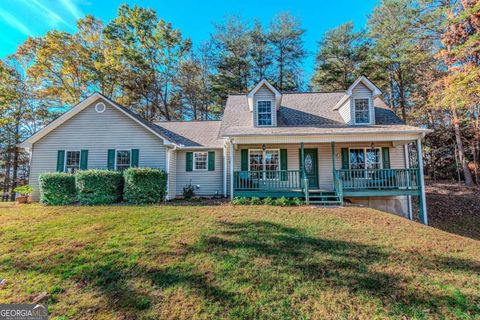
(362, 111)
(264, 113)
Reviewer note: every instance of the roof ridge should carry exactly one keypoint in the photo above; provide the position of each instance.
(174, 121)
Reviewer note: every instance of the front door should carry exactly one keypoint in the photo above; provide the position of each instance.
(311, 167)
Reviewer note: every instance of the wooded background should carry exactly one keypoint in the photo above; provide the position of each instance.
(424, 55)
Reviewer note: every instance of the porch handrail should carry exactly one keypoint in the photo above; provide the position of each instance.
(267, 180)
(379, 178)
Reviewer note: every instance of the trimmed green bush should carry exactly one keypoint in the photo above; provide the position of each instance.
(268, 201)
(283, 202)
(99, 186)
(144, 185)
(255, 201)
(240, 201)
(57, 189)
(296, 202)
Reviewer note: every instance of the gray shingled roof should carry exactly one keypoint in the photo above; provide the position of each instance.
(192, 133)
(305, 113)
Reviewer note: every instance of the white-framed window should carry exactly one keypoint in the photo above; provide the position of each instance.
(264, 113)
(268, 160)
(123, 160)
(365, 159)
(72, 161)
(200, 161)
(362, 110)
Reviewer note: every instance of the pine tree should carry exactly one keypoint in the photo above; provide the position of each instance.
(341, 53)
(286, 37)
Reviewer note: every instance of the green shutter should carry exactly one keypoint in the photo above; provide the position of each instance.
(83, 159)
(189, 161)
(283, 164)
(135, 153)
(111, 159)
(61, 160)
(211, 161)
(244, 159)
(386, 157)
(345, 158)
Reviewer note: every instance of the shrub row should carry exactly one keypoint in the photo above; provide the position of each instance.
(93, 187)
(283, 201)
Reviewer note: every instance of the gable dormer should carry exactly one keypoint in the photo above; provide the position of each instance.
(264, 101)
(357, 107)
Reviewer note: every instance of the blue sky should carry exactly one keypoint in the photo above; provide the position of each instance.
(22, 18)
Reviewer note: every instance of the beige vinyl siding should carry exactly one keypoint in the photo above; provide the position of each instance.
(96, 132)
(264, 94)
(362, 91)
(345, 111)
(211, 182)
(397, 158)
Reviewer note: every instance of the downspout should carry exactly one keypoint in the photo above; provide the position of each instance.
(169, 150)
(225, 169)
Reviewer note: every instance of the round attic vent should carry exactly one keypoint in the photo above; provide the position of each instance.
(100, 107)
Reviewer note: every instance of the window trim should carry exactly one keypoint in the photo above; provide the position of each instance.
(194, 161)
(116, 156)
(264, 164)
(369, 110)
(271, 113)
(66, 156)
(365, 153)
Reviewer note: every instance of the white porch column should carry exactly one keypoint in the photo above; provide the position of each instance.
(225, 168)
(167, 167)
(423, 202)
(232, 151)
(407, 166)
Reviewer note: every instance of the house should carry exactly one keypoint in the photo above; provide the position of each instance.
(324, 147)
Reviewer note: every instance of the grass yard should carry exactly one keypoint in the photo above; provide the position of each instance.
(204, 262)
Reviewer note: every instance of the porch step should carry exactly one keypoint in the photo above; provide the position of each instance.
(323, 197)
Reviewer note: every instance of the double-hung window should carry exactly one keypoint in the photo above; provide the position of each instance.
(365, 159)
(200, 161)
(123, 160)
(362, 111)
(265, 163)
(72, 161)
(264, 113)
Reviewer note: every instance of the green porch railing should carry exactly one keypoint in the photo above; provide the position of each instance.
(378, 179)
(279, 180)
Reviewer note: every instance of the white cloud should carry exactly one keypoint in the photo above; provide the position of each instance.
(72, 8)
(14, 22)
(53, 17)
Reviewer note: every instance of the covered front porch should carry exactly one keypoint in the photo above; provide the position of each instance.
(327, 173)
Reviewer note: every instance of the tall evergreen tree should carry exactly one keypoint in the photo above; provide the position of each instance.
(261, 53)
(231, 44)
(286, 38)
(341, 54)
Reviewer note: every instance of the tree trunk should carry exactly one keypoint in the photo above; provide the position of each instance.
(16, 152)
(461, 150)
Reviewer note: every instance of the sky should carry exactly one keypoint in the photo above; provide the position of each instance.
(22, 18)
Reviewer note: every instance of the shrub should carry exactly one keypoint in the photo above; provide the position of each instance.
(99, 186)
(144, 185)
(255, 201)
(268, 201)
(57, 188)
(296, 202)
(240, 201)
(24, 190)
(282, 202)
(189, 191)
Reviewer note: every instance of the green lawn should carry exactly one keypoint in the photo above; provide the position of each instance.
(204, 262)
